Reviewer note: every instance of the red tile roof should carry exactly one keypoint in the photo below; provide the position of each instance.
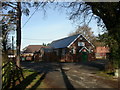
(32, 48)
(102, 50)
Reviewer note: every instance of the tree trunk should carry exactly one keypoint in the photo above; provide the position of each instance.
(4, 51)
(18, 31)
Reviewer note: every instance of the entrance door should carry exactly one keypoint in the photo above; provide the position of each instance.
(84, 57)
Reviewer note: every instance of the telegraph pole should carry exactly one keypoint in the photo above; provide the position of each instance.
(13, 45)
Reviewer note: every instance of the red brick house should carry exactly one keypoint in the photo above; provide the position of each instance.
(101, 52)
(28, 52)
(74, 48)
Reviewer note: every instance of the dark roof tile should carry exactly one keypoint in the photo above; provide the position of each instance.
(64, 42)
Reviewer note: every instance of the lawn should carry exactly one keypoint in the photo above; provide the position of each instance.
(33, 80)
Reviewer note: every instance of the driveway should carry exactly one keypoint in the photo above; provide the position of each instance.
(71, 75)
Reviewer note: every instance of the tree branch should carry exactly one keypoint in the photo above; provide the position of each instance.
(10, 6)
(90, 18)
(13, 3)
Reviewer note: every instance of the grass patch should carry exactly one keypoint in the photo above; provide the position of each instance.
(32, 80)
(105, 75)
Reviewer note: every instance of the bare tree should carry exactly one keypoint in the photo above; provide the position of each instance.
(85, 30)
(107, 15)
(15, 12)
(7, 28)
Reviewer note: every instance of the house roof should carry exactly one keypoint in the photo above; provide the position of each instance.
(32, 48)
(66, 42)
(47, 49)
(103, 49)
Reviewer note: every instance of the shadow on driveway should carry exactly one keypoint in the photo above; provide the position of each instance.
(69, 86)
(44, 68)
(99, 64)
(39, 81)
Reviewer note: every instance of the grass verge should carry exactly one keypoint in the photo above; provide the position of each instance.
(32, 80)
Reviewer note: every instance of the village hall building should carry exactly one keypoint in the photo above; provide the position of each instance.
(73, 48)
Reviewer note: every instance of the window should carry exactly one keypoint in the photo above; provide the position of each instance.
(74, 51)
(80, 38)
(81, 44)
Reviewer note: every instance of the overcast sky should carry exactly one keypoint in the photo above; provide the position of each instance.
(44, 29)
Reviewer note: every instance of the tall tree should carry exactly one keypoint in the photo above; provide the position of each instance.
(85, 30)
(5, 41)
(107, 15)
(15, 10)
(14, 13)
(18, 30)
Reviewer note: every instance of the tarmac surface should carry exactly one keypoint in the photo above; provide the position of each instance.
(72, 75)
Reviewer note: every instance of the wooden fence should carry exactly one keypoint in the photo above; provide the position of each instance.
(11, 74)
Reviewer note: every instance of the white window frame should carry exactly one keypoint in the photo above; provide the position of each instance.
(81, 43)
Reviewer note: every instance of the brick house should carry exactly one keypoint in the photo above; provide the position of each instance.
(28, 52)
(101, 52)
(74, 48)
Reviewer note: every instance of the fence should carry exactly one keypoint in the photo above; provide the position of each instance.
(11, 74)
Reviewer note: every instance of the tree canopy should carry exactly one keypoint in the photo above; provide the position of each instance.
(85, 30)
(13, 11)
(107, 15)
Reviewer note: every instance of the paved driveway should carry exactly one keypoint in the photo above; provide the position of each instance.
(71, 75)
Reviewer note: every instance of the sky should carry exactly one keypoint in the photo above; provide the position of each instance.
(49, 27)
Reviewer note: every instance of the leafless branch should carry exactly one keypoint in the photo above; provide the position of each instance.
(90, 18)
(5, 4)
(13, 3)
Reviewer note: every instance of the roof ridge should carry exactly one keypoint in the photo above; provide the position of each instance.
(65, 37)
